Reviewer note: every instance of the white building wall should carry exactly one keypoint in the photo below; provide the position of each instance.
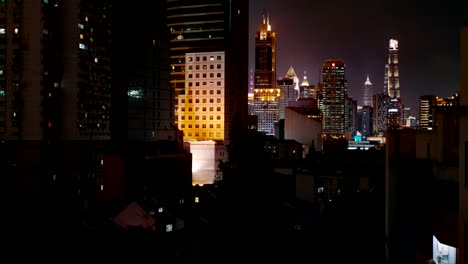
(302, 129)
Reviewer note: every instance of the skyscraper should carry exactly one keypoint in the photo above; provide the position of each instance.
(334, 120)
(209, 77)
(367, 100)
(394, 112)
(266, 96)
(212, 26)
(265, 55)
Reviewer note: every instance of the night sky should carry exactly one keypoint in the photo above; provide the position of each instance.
(308, 32)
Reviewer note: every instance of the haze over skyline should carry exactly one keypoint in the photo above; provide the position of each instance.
(308, 33)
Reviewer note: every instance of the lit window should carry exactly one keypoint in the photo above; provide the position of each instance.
(169, 228)
(81, 26)
(81, 36)
(2, 31)
(16, 30)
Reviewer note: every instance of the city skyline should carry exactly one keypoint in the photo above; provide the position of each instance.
(428, 42)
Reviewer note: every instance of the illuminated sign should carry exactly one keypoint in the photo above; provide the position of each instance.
(392, 110)
(393, 44)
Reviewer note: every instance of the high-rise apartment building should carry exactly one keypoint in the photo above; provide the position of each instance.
(55, 94)
(334, 99)
(266, 96)
(55, 70)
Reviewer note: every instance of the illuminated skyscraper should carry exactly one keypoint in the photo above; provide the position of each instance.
(334, 120)
(367, 93)
(394, 112)
(266, 96)
(265, 56)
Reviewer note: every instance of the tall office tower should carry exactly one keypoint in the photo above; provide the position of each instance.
(265, 56)
(379, 119)
(208, 56)
(334, 99)
(351, 116)
(212, 26)
(366, 120)
(287, 93)
(266, 96)
(367, 100)
(55, 91)
(394, 112)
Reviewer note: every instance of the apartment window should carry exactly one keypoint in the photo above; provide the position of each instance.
(197, 58)
(218, 125)
(218, 58)
(211, 92)
(218, 100)
(211, 67)
(211, 75)
(218, 66)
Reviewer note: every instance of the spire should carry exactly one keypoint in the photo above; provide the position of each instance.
(263, 16)
(368, 82)
(291, 73)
